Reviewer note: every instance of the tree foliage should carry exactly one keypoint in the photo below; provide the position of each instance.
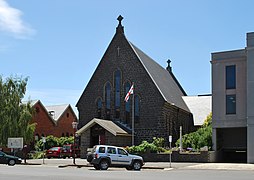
(200, 138)
(145, 146)
(52, 141)
(15, 117)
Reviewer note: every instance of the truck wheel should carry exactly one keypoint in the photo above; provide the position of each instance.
(136, 165)
(104, 164)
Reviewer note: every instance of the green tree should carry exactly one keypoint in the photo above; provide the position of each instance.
(200, 138)
(15, 117)
(155, 146)
(52, 141)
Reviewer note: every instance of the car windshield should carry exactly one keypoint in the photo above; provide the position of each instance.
(93, 150)
(54, 149)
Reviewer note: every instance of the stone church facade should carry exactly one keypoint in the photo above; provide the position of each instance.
(159, 109)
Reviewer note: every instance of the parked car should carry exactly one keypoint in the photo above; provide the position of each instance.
(103, 156)
(54, 152)
(8, 159)
(69, 149)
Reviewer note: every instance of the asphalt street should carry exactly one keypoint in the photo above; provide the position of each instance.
(53, 172)
(149, 165)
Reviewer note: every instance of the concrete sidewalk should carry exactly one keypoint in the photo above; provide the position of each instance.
(61, 163)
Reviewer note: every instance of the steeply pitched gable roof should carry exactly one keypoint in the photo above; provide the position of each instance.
(38, 102)
(164, 80)
(57, 110)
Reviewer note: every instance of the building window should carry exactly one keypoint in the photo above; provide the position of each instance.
(99, 107)
(231, 104)
(117, 93)
(107, 98)
(127, 104)
(67, 115)
(230, 77)
(136, 108)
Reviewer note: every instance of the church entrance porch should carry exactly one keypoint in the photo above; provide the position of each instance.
(99, 131)
(97, 135)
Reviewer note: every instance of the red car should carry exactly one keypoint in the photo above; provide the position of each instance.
(54, 152)
(68, 151)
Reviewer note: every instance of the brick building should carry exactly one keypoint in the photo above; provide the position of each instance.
(159, 109)
(53, 120)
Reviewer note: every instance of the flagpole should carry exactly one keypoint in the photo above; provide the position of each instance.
(133, 116)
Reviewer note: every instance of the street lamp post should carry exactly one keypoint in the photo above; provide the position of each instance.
(74, 126)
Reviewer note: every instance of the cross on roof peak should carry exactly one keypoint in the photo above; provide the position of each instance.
(119, 28)
(120, 18)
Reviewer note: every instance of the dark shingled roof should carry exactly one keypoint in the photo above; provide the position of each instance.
(165, 81)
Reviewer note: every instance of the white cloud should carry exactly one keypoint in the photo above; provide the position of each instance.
(11, 21)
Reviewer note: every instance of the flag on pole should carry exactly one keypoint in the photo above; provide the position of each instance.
(128, 94)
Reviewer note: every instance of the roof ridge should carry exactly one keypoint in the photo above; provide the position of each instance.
(146, 69)
(58, 105)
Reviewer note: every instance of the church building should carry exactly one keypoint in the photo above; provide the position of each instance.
(155, 107)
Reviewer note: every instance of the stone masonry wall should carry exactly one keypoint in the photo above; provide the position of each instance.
(131, 71)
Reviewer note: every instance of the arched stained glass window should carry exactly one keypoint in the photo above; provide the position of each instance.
(117, 93)
(127, 104)
(107, 99)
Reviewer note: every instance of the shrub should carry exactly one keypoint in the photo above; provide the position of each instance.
(155, 146)
(200, 138)
(36, 155)
(52, 141)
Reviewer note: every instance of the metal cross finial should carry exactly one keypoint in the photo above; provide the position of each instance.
(120, 18)
(169, 68)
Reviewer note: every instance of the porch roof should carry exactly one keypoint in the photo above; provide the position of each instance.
(110, 126)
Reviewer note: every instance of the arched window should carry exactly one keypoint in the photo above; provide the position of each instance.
(136, 108)
(127, 104)
(107, 99)
(117, 93)
(99, 107)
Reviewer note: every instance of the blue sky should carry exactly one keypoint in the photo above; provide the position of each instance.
(59, 43)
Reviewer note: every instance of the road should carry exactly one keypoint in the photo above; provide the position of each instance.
(42, 172)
